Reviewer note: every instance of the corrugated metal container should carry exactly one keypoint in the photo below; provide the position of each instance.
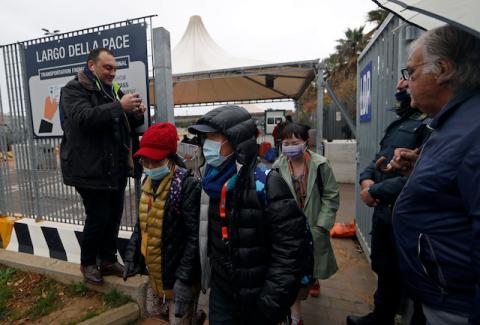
(378, 69)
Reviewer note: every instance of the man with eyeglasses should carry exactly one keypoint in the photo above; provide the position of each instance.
(379, 189)
(436, 219)
(99, 124)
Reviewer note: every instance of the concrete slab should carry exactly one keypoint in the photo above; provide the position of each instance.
(122, 315)
(67, 273)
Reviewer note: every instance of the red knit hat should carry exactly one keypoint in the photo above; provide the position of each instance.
(158, 142)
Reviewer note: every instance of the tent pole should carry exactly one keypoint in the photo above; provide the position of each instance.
(162, 65)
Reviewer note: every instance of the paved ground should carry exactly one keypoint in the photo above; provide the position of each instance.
(349, 291)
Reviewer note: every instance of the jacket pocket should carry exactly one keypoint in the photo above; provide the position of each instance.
(407, 137)
(429, 262)
(87, 164)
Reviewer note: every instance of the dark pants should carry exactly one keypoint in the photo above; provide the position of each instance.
(223, 310)
(104, 212)
(390, 284)
(385, 264)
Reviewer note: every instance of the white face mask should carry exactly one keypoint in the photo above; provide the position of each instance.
(293, 151)
(211, 151)
(157, 173)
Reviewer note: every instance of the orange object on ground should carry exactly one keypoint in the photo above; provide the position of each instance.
(6, 228)
(343, 230)
(264, 146)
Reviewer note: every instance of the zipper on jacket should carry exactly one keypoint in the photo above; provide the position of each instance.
(441, 278)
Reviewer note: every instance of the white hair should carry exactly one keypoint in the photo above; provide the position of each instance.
(456, 46)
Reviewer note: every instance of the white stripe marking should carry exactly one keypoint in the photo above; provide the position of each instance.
(70, 244)
(40, 247)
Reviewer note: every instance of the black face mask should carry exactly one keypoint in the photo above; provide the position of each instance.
(403, 102)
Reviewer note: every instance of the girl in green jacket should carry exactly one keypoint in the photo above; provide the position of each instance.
(313, 185)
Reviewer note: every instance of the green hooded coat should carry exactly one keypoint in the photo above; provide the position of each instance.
(320, 210)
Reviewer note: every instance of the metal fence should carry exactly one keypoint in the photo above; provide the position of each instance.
(387, 53)
(31, 182)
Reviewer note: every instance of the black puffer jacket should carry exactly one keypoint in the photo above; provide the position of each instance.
(261, 265)
(97, 135)
(179, 244)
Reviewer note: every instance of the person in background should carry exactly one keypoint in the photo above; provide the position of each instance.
(436, 219)
(165, 237)
(185, 139)
(99, 137)
(380, 190)
(312, 183)
(256, 231)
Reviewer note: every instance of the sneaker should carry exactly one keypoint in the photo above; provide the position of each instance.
(200, 317)
(315, 290)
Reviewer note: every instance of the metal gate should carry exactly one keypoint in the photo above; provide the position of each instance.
(386, 54)
(31, 183)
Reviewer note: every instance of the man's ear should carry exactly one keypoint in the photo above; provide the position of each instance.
(91, 65)
(446, 69)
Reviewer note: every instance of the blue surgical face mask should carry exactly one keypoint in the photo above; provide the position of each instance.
(211, 151)
(293, 151)
(158, 173)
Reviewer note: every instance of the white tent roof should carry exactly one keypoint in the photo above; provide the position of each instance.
(203, 73)
(197, 51)
(429, 14)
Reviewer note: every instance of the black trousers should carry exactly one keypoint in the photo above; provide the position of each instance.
(385, 264)
(104, 210)
(224, 310)
(390, 283)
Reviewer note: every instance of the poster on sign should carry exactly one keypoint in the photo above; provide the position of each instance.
(366, 93)
(50, 65)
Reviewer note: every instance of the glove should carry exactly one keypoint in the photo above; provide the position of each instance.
(183, 297)
(129, 269)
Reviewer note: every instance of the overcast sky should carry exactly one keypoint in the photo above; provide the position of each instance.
(267, 30)
(276, 31)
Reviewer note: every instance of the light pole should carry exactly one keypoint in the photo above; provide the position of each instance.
(50, 33)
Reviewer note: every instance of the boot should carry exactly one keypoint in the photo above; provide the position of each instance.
(370, 319)
(91, 274)
(109, 268)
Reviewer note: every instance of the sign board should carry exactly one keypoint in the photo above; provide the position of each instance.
(272, 118)
(366, 93)
(51, 65)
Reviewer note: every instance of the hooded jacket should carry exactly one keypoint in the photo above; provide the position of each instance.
(260, 265)
(98, 136)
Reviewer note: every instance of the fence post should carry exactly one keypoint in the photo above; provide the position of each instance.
(30, 141)
(163, 84)
(3, 145)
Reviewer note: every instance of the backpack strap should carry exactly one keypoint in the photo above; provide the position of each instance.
(261, 174)
(175, 198)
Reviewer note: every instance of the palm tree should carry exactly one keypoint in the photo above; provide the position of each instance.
(377, 16)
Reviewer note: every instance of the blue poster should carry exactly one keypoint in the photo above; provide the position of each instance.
(366, 93)
(51, 65)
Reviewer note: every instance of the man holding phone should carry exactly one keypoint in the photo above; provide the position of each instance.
(96, 156)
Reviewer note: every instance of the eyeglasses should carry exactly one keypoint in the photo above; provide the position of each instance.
(408, 71)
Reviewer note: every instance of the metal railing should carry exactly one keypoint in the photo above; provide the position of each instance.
(31, 183)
